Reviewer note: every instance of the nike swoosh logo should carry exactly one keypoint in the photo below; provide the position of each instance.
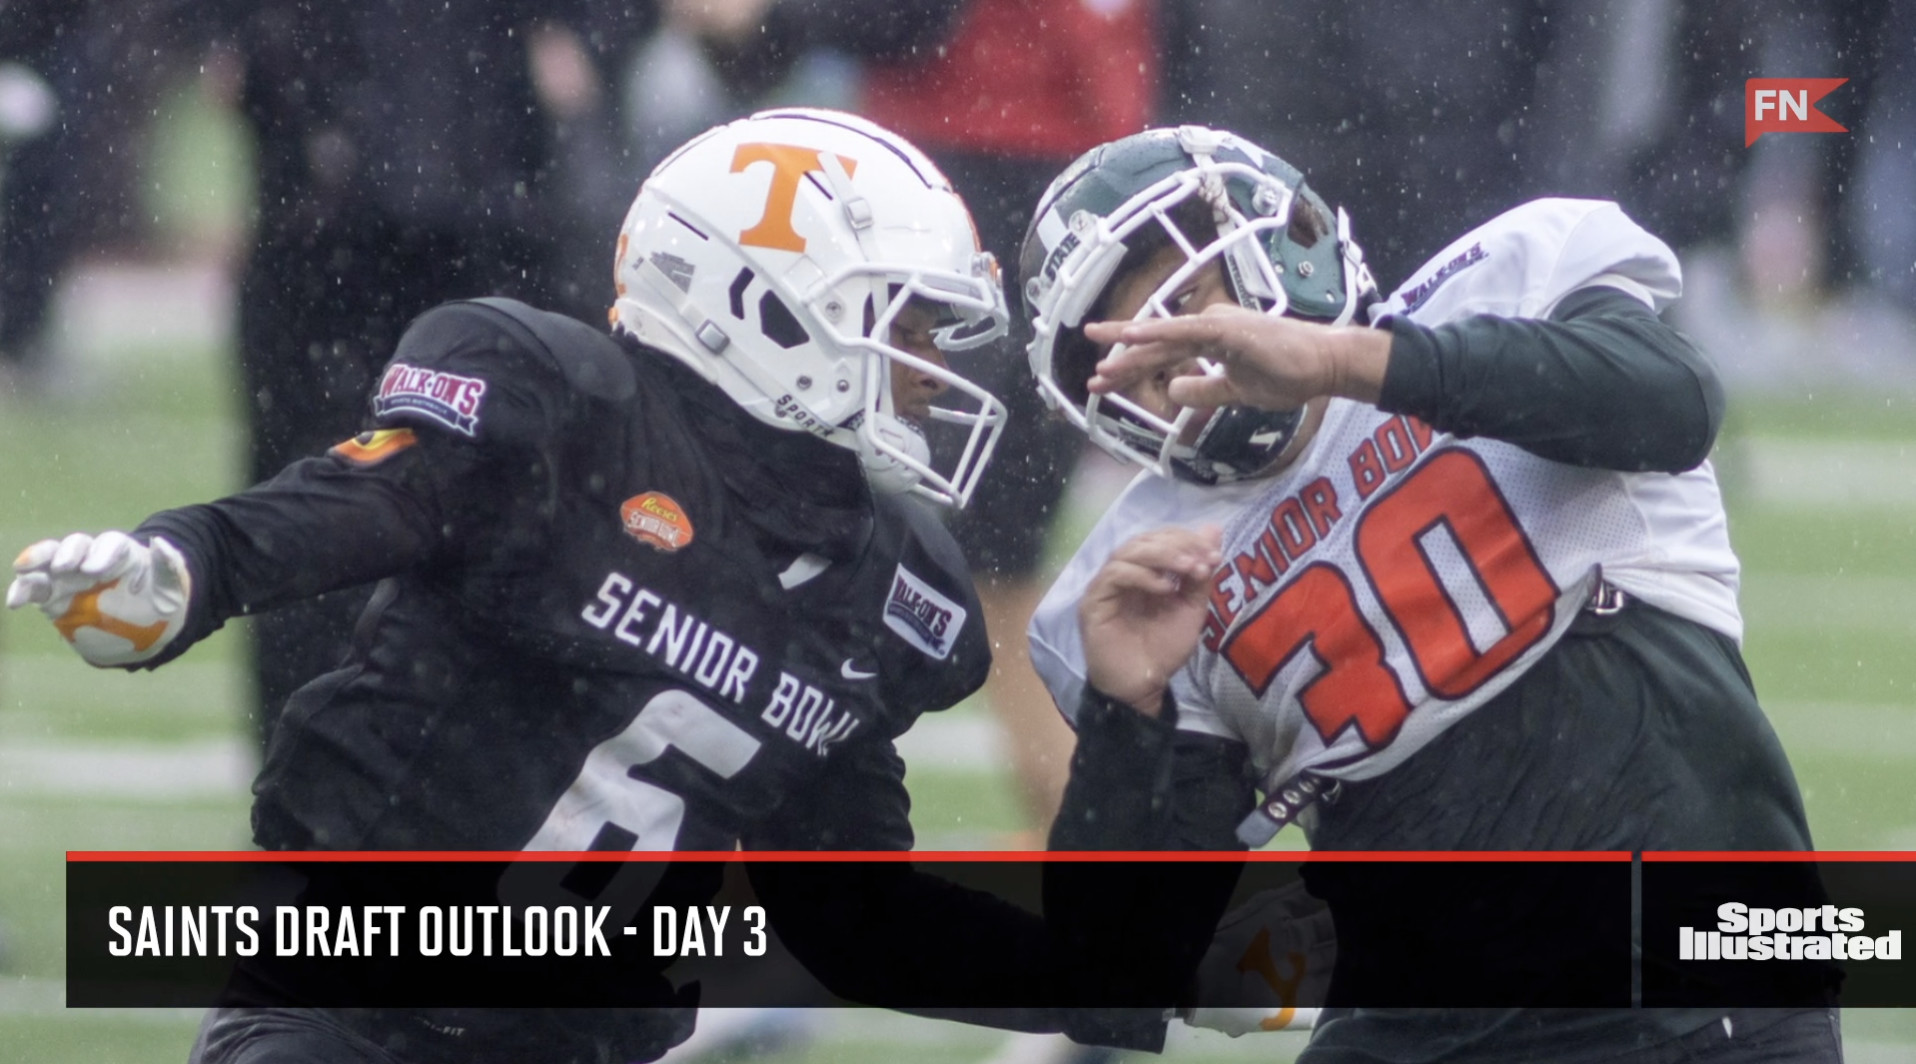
(847, 671)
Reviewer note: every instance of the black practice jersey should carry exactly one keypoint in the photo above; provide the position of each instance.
(617, 612)
(607, 618)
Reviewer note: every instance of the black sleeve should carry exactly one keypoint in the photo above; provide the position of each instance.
(1139, 784)
(468, 407)
(320, 525)
(865, 930)
(1603, 383)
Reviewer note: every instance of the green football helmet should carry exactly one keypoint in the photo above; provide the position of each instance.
(1218, 197)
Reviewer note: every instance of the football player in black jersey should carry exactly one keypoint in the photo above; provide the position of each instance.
(671, 588)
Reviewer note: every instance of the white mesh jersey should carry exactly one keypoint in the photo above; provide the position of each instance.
(1395, 578)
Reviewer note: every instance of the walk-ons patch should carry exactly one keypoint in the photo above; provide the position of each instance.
(447, 398)
(656, 520)
(925, 618)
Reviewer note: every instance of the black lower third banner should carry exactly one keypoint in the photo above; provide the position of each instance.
(938, 931)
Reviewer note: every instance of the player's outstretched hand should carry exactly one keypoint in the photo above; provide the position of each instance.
(1266, 361)
(117, 600)
(1143, 612)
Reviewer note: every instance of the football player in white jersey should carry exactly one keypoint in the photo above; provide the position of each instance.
(1454, 558)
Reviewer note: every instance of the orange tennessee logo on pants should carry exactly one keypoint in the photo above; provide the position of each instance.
(790, 163)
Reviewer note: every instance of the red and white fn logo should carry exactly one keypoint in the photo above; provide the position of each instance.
(1787, 105)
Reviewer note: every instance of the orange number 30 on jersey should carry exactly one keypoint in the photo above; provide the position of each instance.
(1451, 496)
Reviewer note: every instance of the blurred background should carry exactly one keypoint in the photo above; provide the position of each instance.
(214, 218)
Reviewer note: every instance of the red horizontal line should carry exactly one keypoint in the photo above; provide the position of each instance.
(866, 856)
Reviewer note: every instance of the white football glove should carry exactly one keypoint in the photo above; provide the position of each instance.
(1271, 960)
(118, 601)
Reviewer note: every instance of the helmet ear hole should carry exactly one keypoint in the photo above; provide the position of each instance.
(1308, 224)
(777, 322)
(737, 292)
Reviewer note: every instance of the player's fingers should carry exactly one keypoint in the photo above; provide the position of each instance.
(1127, 366)
(1187, 329)
(108, 552)
(1161, 546)
(1129, 576)
(1187, 553)
(1210, 390)
(1202, 538)
(29, 589)
(72, 551)
(1131, 362)
(35, 556)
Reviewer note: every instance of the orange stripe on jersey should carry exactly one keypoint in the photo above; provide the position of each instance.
(371, 448)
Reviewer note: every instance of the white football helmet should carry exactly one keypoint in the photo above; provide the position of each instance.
(772, 255)
(1282, 253)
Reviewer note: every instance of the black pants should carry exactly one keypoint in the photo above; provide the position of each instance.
(1751, 1036)
(1639, 731)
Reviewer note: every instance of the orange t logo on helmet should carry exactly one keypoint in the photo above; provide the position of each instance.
(790, 163)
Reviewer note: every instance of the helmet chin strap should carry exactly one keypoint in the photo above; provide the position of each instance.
(886, 474)
(1357, 279)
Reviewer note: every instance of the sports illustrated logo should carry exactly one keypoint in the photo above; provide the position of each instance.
(447, 398)
(656, 520)
(1421, 294)
(1744, 933)
(1787, 105)
(790, 164)
(922, 616)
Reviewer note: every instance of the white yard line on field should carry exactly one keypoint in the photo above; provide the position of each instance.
(1830, 602)
(1798, 473)
(203, 769)
(963, 742)
(225, 767)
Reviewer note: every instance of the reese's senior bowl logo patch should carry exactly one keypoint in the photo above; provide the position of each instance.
(925, 618)
(447, 398)
(656, 520)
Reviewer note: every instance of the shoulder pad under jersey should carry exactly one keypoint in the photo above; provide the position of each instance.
(495, 371)
(1522, 262)
(591, 360)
